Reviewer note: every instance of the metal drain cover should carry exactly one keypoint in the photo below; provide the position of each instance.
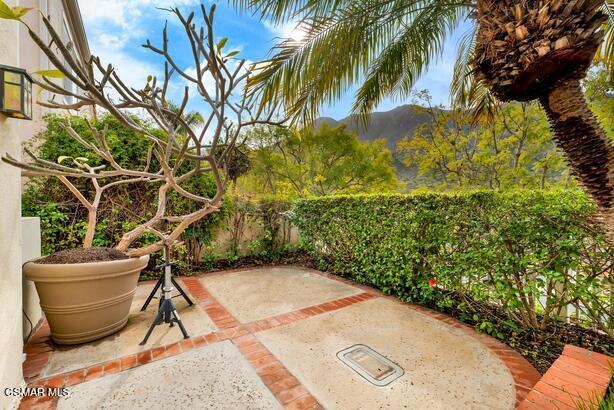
(371, 365)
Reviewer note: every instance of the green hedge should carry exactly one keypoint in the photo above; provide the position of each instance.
(489, 249)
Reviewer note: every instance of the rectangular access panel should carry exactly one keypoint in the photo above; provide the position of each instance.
(371, 365)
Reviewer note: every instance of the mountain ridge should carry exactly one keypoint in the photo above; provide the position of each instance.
(392, 126)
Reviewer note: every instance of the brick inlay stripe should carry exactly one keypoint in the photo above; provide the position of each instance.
(122, 364)
(214, 309)
(285, 318)
(286, 388)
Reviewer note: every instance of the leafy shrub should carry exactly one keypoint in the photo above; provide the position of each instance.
(528, 254)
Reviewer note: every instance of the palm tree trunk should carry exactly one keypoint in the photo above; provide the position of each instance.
(588, 150)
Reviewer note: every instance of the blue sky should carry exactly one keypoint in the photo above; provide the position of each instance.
(116, 29)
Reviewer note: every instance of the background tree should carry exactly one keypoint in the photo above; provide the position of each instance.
(323, 162)
(598, 88)
(515, 150)
(532, 50)
(64, 218)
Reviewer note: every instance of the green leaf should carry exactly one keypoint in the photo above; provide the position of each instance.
(82, 159)
(46, 73)
(19, 12)
(63, 158)
(5, 11)
(14, 13)
(232, 53)
(49, 73)
(222, 43)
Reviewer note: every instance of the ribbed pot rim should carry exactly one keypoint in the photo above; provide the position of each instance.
(54, 272)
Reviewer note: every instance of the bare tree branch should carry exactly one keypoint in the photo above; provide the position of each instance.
(178, 150)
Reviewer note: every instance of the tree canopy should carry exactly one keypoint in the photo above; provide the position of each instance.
(321, 162)
(515, 150)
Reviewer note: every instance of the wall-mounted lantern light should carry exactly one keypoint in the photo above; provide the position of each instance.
(15, 93)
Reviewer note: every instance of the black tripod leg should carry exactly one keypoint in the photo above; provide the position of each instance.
(155, 323)
(180, 323)
(167, 313)
(180, 289)
(153, 292)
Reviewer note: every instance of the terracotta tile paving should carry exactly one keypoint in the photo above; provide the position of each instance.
(286, 388)
(256, 354)
(94, 372)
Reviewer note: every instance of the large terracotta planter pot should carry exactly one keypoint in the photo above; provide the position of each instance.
(86, 301)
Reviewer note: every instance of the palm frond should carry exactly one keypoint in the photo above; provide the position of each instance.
(462, 77)
(468, 93)
(482, 105)
(305, 74)
(339, 49)
(417, 44)
(605, 53)
(280, 11)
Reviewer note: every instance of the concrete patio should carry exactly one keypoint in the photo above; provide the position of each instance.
(267, 338)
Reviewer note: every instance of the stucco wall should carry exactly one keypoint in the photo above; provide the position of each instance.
(32, 59)
(11, 342)
(30, 249)
(252, 230)
(17, 49)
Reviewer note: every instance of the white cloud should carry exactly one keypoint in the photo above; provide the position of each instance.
(294, 30)
(112, 50)
(124, 13)
(132, 71)
(117, 28)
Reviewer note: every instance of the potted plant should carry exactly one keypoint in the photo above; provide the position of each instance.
(86, 293)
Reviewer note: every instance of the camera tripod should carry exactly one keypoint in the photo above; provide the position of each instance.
(167, 313)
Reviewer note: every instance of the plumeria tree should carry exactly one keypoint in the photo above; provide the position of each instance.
(180, 148)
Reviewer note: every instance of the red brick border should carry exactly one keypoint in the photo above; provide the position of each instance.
(38, 351)
(577, 375)
(284, 386)
(524, 374)
(275, 376)
(293, 396)
(285, 318)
